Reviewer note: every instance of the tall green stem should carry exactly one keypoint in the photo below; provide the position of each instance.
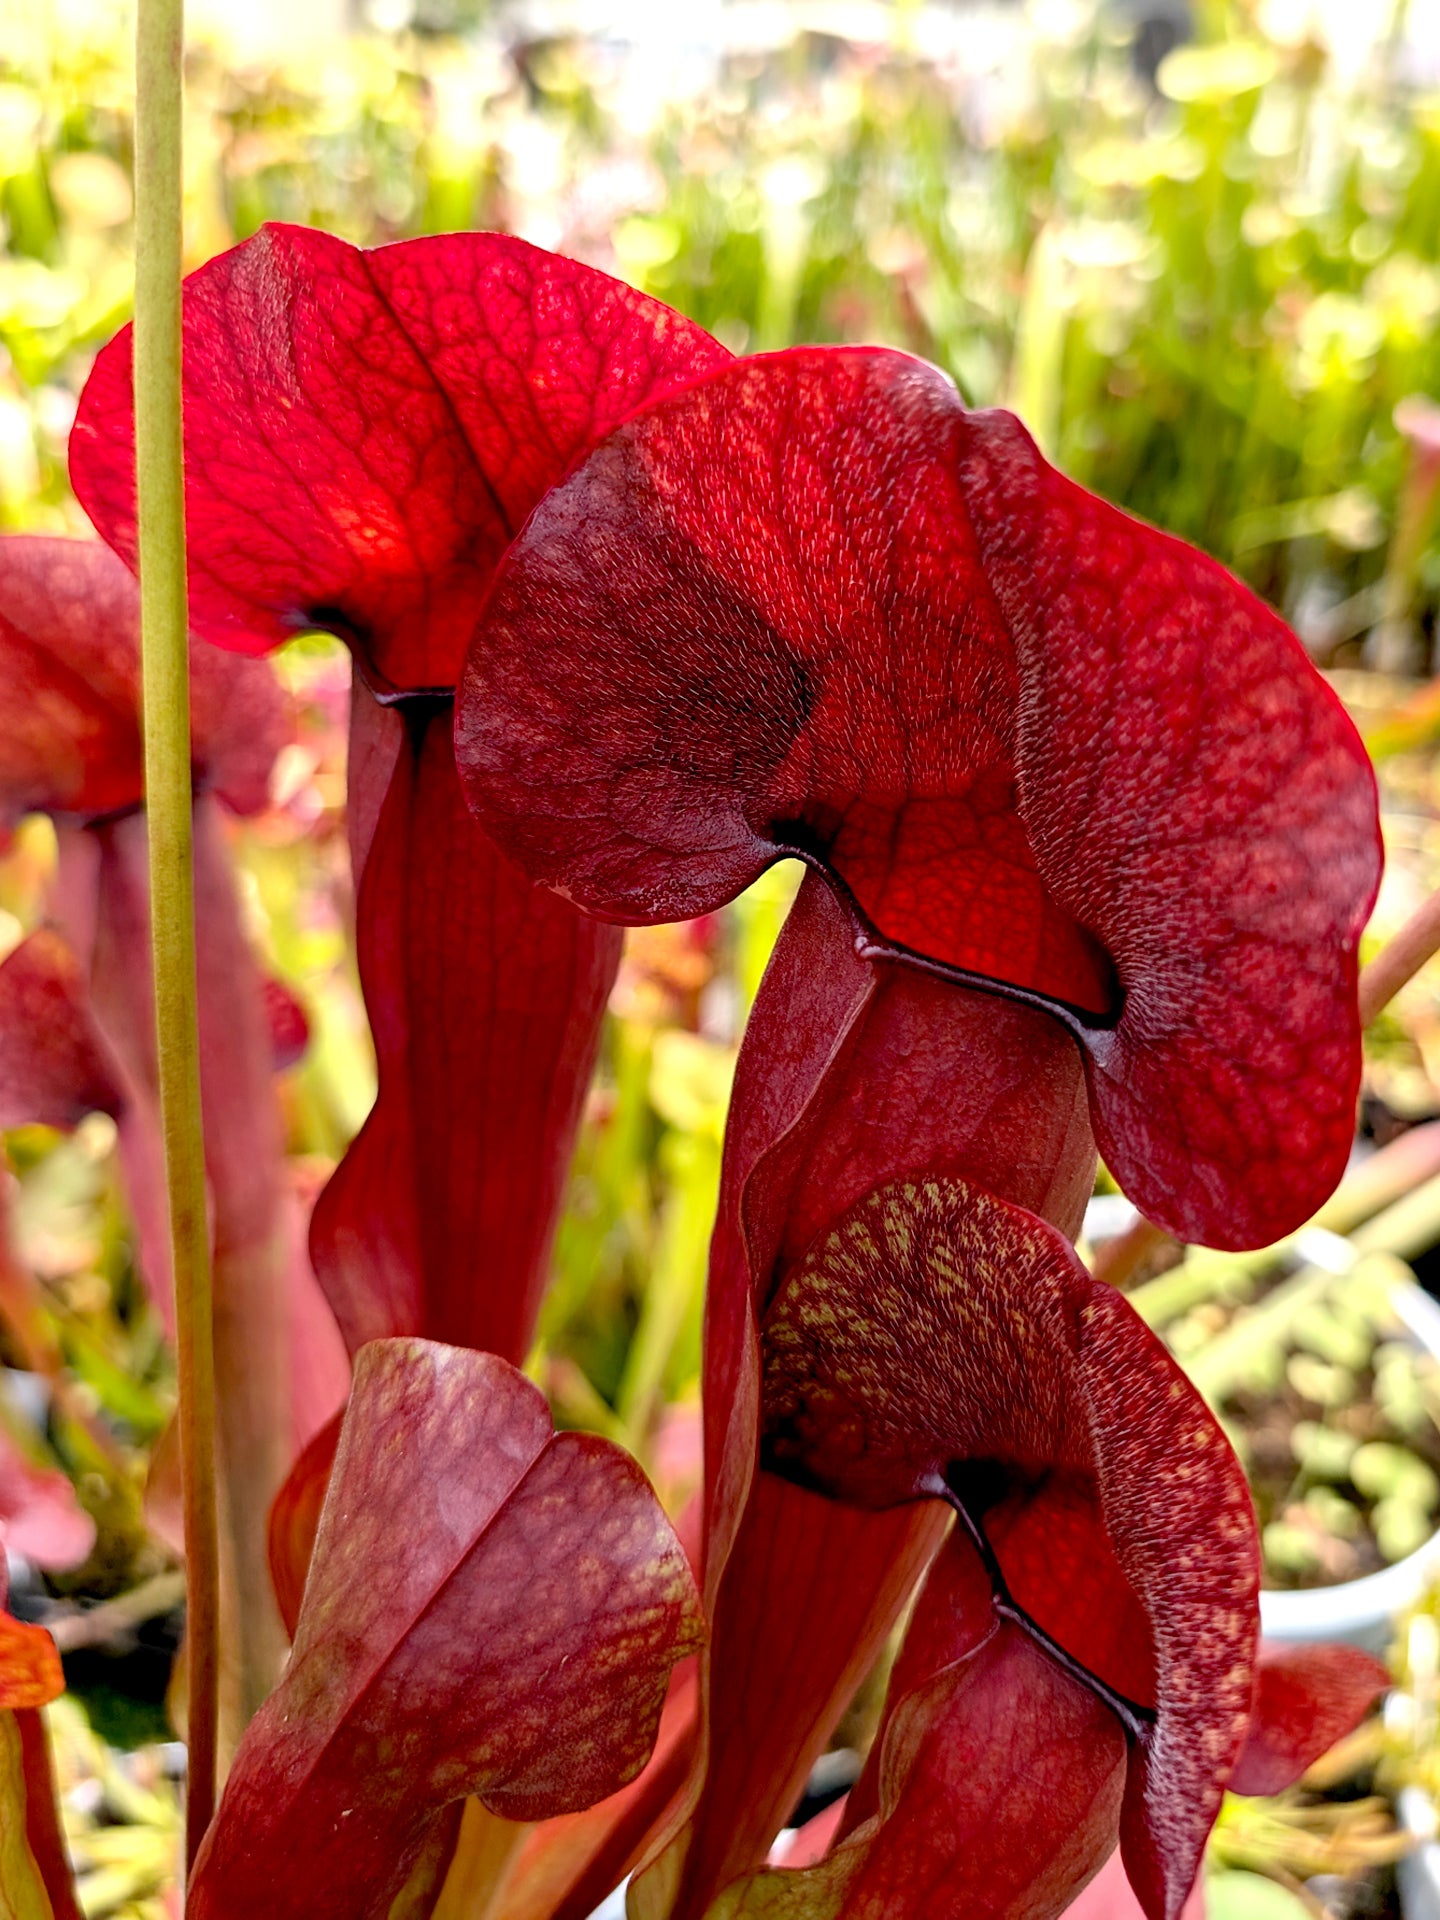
(165, 666)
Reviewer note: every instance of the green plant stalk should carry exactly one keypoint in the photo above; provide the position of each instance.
(165, 672)
(676, 1286)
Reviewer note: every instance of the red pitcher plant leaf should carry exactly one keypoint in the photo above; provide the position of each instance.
(35, 1881)
(54, 1064)
(295, 1520)
(440, 1217)
(492, 1609)
(485, 996)
(40, 1517)
(252, 1201)
(1306, 1698)
(851, 1073)
(69, 641)
(561, 1868)
(69, 634)
(1030, 741)
(23, 1894)
(565, 1868)
(1000, 1792)
(29, 1771)
(68, 623)
(365, 433)
(941, 1342)
(281, 1368)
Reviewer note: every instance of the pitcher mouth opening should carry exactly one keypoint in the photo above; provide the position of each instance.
(1137, 1720)
(873, 945)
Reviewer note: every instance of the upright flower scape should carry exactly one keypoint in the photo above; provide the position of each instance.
(1089, 846)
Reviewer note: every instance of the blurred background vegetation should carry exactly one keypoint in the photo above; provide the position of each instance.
(1195, 246)
(1205, 280)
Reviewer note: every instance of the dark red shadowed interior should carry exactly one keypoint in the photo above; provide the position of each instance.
(952, 885)
(1059, 1564)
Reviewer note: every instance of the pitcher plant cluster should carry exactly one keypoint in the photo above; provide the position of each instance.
(1089, 847)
